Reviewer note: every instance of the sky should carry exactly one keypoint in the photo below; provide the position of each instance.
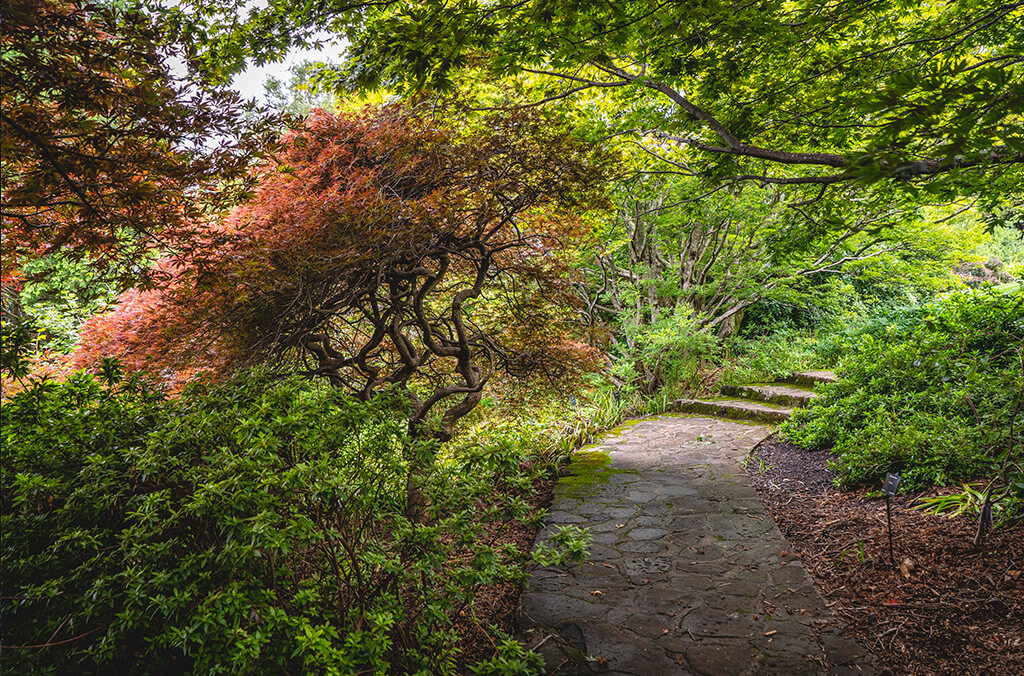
(249, 82)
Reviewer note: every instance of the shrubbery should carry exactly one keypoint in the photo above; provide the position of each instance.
(934, 395)
(254, 527)
(769, 357)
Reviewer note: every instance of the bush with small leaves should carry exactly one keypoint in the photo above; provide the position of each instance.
(938, 400)
(253, 527)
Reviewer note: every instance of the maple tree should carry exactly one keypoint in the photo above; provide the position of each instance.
(805, 95)
(383, 249)
(107, 152)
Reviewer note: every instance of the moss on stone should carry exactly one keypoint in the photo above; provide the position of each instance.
(588, 468)
(622, 427)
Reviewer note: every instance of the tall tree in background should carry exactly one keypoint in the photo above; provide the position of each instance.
(107, 154)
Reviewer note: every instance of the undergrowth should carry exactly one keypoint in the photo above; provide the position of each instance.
(936, 395)
(255, 527)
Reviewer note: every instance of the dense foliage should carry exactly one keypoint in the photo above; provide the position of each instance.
(382, 248)
(935, 394)
(680, 263)
(632, 201)
(108, 149)
(799, 94)
(252, 528)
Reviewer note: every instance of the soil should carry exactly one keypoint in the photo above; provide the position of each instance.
(960, 610)
(495, 605)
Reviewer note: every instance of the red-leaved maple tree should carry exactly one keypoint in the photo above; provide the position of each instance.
(107, 153)
(383, 249)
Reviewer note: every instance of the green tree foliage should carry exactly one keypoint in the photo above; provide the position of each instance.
(678, 257)
(252, 528)
(795, 94)
(58, 294)
(301, 93)
(935, 395)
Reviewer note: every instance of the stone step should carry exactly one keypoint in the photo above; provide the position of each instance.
(811, 378)
(737, 409)
(775, 393)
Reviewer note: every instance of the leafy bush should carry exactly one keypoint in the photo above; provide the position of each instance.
(935, 397)
(671, 352)
(250, 528)
(768, 358)
(878, 322)
(59, 295)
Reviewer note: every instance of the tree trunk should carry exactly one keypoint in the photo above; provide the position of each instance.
(417, 501)
(730, 325)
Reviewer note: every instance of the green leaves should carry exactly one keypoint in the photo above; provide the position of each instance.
(914, 94)
(249, 528)
(934, 401)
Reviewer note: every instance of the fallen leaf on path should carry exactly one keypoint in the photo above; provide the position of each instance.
(597, 592)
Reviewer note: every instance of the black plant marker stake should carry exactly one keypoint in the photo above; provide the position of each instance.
(892, 482)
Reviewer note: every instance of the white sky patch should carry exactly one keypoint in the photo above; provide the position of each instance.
(249, 83)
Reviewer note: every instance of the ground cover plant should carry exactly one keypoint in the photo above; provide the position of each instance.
(935, 397)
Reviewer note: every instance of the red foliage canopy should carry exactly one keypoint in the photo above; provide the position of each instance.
(382, 249)
(106, 153)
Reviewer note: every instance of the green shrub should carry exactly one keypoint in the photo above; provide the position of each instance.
(250, 528)
(879, 322)
(933, 397)
(768, 358)
(672, 352)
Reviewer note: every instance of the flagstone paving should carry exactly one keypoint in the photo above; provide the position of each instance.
(687, 573)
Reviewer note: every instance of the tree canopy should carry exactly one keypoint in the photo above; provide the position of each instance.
(796, 93)
(383, 248)
(107, 153)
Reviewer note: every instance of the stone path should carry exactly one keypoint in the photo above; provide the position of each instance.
(687, 575)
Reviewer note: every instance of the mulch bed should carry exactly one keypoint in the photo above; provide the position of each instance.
(495, 605)
(960, 611)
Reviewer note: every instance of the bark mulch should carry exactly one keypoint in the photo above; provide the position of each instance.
(495, 605)
(960, 610)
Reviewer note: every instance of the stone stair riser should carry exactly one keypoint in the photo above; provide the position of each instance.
(725, 410)
(810, 378)
(758, 394)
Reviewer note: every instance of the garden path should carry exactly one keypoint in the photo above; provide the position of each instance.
(687, 574)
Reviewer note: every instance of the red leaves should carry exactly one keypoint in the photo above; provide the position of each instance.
(383, 248)
(105, 153)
